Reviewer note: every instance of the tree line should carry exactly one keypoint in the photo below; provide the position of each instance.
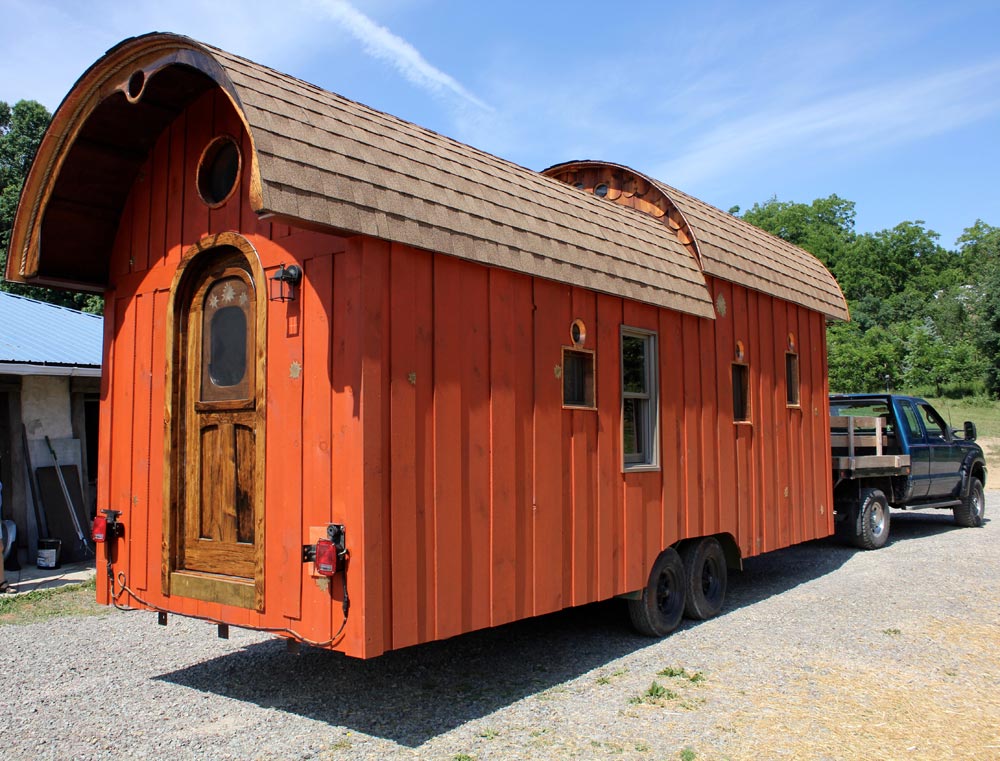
(923, 317)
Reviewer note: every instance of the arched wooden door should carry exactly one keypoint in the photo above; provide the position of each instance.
(217, 464)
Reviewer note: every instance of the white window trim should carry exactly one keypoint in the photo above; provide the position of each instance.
(652, 442)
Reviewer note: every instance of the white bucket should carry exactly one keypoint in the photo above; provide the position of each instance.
(48, 553)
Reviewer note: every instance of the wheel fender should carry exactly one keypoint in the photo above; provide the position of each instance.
(970, 465)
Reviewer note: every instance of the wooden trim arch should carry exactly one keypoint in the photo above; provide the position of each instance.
(126, 72)
(627, 187)
(196, 260)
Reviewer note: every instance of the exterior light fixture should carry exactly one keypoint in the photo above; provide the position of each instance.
(284, 281)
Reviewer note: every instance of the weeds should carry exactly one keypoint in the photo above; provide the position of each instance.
(681, 673)
(606, 678)
(892, 632)
(657, 694)
(688, 755)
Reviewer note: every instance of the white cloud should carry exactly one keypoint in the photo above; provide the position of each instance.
(381, 43)
(853, 123)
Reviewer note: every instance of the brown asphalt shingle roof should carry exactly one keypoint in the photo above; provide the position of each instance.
(327, 160)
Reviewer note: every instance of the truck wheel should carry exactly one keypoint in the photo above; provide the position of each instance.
(705, 570)
(871, 520)
(973, 508)
(661, 606)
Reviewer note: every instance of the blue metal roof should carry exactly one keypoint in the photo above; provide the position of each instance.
(36, 333)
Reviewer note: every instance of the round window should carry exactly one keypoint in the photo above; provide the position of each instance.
(219, 170)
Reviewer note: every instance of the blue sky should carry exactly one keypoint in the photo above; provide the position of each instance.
(894, 105)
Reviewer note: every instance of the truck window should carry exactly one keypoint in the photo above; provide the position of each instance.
(913, 432)
(936, 429)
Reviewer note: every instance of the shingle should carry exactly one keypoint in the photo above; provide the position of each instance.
(335, 162)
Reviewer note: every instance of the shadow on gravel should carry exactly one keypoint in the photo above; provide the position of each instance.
(410, 696)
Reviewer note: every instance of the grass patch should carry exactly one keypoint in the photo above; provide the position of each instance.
(489, 734)
(656, 695)
(606, 678)
(45, 604)
(892, 632)
(982, 411)
(688, 755)
(681, 673)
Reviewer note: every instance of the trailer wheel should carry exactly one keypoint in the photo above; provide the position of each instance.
(870, 520)
(660, 607)
(705, 570)
(973, 508)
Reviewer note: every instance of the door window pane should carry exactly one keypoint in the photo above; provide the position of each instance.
(227, 363)
(227, 333)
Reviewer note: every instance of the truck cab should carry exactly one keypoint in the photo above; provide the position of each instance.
(898, 451)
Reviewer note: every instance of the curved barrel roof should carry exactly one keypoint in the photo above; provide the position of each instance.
(322, 160)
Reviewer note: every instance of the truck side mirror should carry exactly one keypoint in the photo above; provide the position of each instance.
(970, 430)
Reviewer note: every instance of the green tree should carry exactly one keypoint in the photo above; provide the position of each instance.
(824, 228)
(21, 129)
(979, 250)
(860, 360)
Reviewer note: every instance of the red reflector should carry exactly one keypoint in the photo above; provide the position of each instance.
(326, 557)
(100, 530)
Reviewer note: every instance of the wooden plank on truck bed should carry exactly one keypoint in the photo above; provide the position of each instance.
(853, 440)
(872, 462)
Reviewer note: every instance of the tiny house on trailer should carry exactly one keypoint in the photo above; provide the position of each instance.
(347, 355)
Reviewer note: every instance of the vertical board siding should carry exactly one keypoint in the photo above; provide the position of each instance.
(582, 503)
(552, 310)
(317, 465)
(417, 398)
(142, 389)
(448, 529)
(610, 497)
(504, 507)
(407, 585)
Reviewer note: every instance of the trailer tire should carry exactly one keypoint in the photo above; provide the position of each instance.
(705, 571)
(971, 512)
(660, 606)
(870, 520)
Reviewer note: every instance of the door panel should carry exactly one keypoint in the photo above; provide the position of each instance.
(920, 453)
(217, 466)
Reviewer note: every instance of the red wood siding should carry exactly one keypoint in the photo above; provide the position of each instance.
(417, 399)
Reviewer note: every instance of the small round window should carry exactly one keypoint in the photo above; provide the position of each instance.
(219, 170)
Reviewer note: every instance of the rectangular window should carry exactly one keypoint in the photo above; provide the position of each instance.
(741, 393)
(639, 403)
(792, 379)
(578, 378)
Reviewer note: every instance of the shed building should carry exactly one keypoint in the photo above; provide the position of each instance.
(512, 389)
(50, 371)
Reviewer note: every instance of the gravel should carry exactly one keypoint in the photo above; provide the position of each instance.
(822, 652)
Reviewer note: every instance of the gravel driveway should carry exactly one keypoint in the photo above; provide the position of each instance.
(822, 652)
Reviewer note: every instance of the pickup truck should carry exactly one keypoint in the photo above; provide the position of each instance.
(892, 451)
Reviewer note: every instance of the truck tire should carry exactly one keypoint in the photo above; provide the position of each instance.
(870, 520)
(973, 508)
(660, 607)
(705, 571)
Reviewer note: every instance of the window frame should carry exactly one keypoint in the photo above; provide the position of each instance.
(590, 383)
(648, 456)
(796, 403)
(747, 418)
